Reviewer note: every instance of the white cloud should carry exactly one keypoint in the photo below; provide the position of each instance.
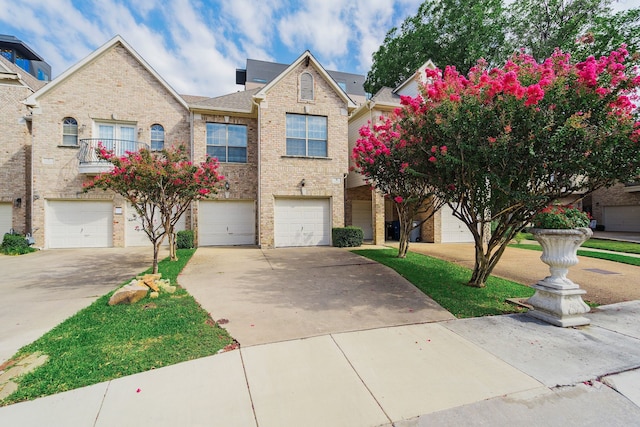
(322, 27)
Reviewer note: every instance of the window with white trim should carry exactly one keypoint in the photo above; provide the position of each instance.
(69, 131)
(306, 135)
(306, 87)
(157, 137)
(227, 143)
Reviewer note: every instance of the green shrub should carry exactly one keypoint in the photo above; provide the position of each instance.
(184, 239)
(347, 237)
(15, 244)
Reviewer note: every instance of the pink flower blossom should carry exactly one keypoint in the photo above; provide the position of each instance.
(398, 199)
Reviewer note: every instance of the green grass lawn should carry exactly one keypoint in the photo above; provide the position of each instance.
(101, 343)
(446, 284)
(591, 254)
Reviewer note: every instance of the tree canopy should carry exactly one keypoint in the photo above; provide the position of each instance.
(455, 32)
(458, 33)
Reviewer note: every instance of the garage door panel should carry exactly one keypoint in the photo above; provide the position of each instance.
(135, 235)
(79, 224)
(302, 222)
(222, 223)
(361, 216)
(622, 218)
(6, 221)
(453, 230)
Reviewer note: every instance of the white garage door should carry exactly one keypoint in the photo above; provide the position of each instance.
(453, 230)
(302, 222)
(361, 217)
(6, 212)
(622, 218)
(135, 236)
(222, 223)
(79, 224)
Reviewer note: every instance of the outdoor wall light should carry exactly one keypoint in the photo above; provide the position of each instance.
(227, 186)
(18, 203)
(302, 183)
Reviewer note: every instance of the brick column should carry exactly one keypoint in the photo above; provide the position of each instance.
(377, 210)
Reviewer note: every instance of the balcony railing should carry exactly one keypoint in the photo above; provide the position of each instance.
(88, 157)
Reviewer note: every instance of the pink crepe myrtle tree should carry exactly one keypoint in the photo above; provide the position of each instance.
(160, 185)
(520, 136)
(385, 159)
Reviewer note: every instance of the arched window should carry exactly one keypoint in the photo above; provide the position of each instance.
(306, 87)
(157, 137)
(69, 131)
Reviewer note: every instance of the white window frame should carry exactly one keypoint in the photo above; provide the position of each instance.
(68, 134)
(226, 144)
(306, 137)
(154, 132)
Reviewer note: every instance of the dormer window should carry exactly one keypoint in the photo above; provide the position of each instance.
(306, 87)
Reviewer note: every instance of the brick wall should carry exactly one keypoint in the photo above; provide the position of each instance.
(113, 87)
(280, 176)
(14, 153)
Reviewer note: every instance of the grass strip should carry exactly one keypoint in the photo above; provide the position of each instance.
(607, 245)
(100, 343)
(445, 283)
(589, 254)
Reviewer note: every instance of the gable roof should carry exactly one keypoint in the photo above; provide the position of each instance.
(419, 74)
(21, 75)
(33, 99)
(307, 56)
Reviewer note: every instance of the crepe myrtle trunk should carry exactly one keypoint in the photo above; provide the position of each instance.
(405, 215)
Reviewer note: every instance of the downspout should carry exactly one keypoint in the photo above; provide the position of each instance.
(259, 198)
(31, 193)
(193, 158)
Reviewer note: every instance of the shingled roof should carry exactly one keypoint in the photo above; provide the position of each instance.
(234, 102)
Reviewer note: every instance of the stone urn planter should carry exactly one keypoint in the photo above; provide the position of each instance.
(557, 299)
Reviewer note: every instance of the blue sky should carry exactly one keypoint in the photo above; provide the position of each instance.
(196, 45)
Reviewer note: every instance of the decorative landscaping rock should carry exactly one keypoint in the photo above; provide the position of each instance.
(154, 295)
(129, 294)
(150, 280)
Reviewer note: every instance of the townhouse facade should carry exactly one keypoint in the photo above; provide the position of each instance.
(282, 147)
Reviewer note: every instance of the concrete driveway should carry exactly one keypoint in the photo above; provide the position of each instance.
(275, 295)
(42, 289)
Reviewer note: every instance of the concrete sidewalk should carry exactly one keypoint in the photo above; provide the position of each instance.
(482, 371)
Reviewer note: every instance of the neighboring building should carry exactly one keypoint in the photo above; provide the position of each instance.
(15, 150)
(367, 208)
(616, 208)
(283, 149)
(17, 52)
